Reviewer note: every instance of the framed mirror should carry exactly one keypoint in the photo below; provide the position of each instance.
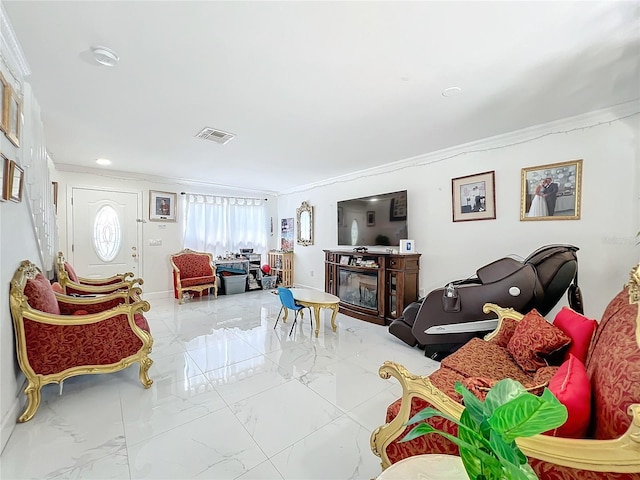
(305, 224)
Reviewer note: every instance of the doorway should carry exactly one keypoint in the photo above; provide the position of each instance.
(105, 235)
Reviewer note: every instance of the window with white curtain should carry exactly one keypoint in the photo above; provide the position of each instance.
(225, 224)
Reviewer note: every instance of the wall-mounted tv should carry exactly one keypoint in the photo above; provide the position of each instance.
(376, 220)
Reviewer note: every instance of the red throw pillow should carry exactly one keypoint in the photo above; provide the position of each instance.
(71, 272)
(533, 339)
(57, 287)
(572, 387)
(40, 296)
(579, 328)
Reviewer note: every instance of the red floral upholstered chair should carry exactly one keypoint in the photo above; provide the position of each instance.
(71, 283)
(606, 386)
(58, 336)
(193, 271)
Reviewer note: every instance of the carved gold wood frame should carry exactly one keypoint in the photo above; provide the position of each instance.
(620, 455)
(305, 224)
(567, 176)
(5, 91)
(14, 116)
(123, 281)
(21, 311)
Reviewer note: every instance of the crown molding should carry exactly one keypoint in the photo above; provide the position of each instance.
(120, 175)
(505, 140)
(11, 49)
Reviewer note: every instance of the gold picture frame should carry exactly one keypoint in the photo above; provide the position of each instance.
(13, 184)
(4, 102)
(14, 116)
(473, 197)
(162, 206)
(551, 192)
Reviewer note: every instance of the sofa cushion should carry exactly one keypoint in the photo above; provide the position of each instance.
(579, 328)
(572, 387)
(507, 327)
(478, 358)
(614, 368)
(71, 272)
(193, 265)
(190, 282)
(40, 295)
(533, 339)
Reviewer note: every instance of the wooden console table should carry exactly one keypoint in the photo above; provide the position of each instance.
(374, 286)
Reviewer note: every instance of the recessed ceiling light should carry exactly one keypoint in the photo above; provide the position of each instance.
(104, 56)
(451, 91)
(103, 161)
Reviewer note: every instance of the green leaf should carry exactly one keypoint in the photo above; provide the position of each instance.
(502, 392)
(427, 413)
(418, 431)
(471, 403)
(528, 415)
(522, 472)
(506, 451)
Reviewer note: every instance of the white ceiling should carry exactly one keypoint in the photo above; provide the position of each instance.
(313, 90)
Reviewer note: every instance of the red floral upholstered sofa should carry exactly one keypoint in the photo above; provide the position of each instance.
(193, 271)
(71, 283)
(602, 396)
(59, 336)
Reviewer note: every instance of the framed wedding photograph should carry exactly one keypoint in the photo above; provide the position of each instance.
(551, 192)
(474, 197)
(162, 206)
(4, 104)
(13, 181)
(14, 116)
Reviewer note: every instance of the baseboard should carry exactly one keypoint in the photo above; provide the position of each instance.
(9, 422)
(157, 295)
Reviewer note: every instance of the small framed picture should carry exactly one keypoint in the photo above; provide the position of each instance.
(371, 219)
(407, 246)
(162, 206)
(474, 197)
(4, 104)
(14, 117)
(551, 192)
(344, 259)
(54, 186)
(13, 181)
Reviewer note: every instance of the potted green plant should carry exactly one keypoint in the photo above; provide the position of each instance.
(487, 430)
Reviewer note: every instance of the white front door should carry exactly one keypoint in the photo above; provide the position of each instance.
(105, 236)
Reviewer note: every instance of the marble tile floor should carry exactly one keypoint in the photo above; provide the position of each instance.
(232, 399)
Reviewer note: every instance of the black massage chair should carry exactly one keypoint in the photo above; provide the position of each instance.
(449, 317)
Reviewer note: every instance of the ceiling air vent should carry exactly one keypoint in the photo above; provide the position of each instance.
(214, 135)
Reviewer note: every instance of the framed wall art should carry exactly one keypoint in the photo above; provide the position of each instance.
(398, 208)
(14, 116)
(162, 206)
(371, 218)
(551, 192)
(4, 102)
(474, 197)
(13, 181)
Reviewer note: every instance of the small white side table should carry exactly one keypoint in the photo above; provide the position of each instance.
(426, 467)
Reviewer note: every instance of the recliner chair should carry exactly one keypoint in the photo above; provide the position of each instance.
(449, 317)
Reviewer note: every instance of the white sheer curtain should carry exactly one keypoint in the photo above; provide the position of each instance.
(225, 224)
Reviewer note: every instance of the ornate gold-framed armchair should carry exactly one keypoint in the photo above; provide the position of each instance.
(59, 336)
(71, 283)
(193, 271)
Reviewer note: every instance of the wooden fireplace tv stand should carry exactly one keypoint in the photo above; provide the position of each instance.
(373, 286)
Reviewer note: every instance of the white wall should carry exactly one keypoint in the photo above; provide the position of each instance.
(605, 232)
(156, 269)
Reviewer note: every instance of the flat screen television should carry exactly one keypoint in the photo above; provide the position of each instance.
(376, 220)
